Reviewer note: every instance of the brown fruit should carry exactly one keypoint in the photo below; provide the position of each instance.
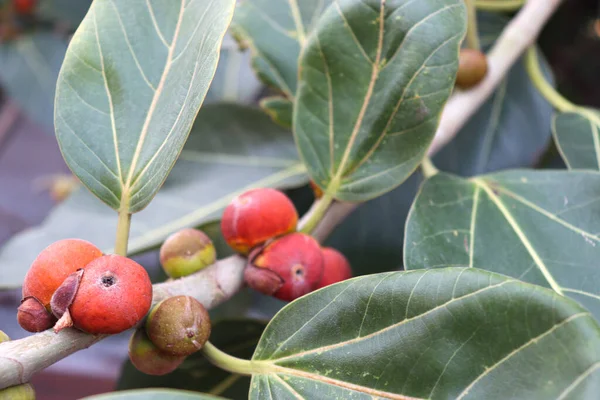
(257, 216)
(472, 68)
(179, 325)
(297, 259)
(54, 264)
(115, 293)
(33, 316)
(336, 267)
(186, 252)
(147, 358)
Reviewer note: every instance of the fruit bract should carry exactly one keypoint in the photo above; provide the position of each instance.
(54, 264)
(186, 252)
(179, 325)
(114, 294)
(472, 68)
(33, 316)
(147, 358)
(336, 267)
(257, 216)
(297, 259)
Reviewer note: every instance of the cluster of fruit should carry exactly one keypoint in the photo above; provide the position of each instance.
(72, 283)
(261, 224)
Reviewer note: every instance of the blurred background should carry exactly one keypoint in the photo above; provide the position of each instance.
(34, 179)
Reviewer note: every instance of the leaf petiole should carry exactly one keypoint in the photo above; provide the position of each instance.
(122, 233)
(428, 168)
(472, 31)
(230, 363)
(312, 218)
(499, 5)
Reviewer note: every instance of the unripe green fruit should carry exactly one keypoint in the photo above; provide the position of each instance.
(20, 392)
(179, 325)
(186, 252)
(148, 358)
(472, 68)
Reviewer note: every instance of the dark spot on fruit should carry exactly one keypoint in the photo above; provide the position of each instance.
(108, 280)
(190, 334)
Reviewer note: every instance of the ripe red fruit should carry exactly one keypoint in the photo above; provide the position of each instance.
(114, 294)
(472, 68)
(257, 216)
(297, 259)
(336, 267)
(147, 358)
(54, 264)
(24, 6)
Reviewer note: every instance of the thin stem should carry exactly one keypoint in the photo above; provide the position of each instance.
(122, 233)
(499, 5)
(472, 31)
(428, 168)
(543, 86)
(230, 363)
(312, 218)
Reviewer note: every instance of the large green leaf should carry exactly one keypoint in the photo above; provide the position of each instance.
(455, 333)
(231, 149)
(236, 337)
(577, 134)
(153, 394)
(511, 129)
(275, 31)
(538, 226)
(374, 77)
(29, 68)
(133, 80)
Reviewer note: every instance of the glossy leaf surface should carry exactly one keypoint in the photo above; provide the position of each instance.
(453, 333)
(374, 77)
(537, 226)
(132, 82)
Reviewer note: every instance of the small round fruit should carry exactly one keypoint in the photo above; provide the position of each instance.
(336, 267)
(33, 316)
(179, 325)
(472, 68)
(54, 264)
(186, 252)
(297, 259)
(19, 392)
(257, 216)
(147, 358)
(114, 294)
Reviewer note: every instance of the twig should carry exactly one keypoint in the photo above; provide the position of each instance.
(520, 33)
(21, 359)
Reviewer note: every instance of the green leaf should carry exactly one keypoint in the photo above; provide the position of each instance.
(231, 149)
(577, 134)
(29, 68)
(132, 82)
(511, 129)
(236, 337)
(279, 109)
(455, 333)
(538, 226)
(153, 394)
(275, 31)
(372, 89)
